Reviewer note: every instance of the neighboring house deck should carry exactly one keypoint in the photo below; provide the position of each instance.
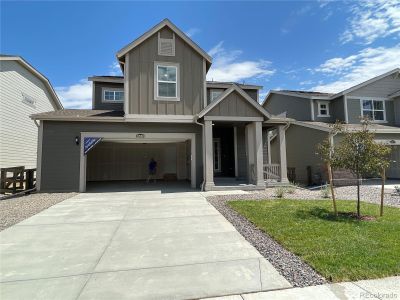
(23, 92)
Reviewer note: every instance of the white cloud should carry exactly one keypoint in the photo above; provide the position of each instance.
(192, 31)
(371, 20)
(115, 69)
(78, 95)
(227, 66)
(306, 82)
(354, 69)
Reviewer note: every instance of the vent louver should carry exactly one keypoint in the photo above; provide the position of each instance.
(166, 47)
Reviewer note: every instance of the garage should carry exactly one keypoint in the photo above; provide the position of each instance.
(124, 158)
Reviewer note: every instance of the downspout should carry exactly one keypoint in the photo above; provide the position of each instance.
(204, 153)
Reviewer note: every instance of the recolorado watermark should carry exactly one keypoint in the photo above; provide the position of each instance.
(368, 295)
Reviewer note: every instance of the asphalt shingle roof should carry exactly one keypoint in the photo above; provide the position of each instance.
(79, 114)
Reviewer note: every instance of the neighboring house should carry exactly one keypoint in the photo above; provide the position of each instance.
(312, 113)
(208, 133)
(23, 92)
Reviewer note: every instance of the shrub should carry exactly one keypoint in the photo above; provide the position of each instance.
(290, 190)
(397, 190)
(326, 192)
(280, 192)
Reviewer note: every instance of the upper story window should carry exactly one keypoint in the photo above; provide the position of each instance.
(374, 110)
(323, 109)
(166, 81)
(215, 94)
(113, 95)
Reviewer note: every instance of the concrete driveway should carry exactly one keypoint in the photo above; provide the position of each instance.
(130, 245)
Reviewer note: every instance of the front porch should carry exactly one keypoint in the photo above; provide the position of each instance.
(238, 155)
(235, 144)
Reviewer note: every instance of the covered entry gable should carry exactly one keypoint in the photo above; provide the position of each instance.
(234, 103)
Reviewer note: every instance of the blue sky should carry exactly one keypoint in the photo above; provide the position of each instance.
(307, 45)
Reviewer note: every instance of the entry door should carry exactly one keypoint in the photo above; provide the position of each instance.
(394, 168)
(217, 155)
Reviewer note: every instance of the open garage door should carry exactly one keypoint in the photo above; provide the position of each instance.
(125, 157)
(112, 161)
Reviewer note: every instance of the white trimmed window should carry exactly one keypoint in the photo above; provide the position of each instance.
(323, 109)
(113, 95)
(166, 81)
(214, 94)
(374, 110)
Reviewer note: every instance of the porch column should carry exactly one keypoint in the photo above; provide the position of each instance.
(258, 155)
(208, 163)
(282, 153)
(249, 137)
(235, 151)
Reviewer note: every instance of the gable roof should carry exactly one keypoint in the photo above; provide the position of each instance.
(234, 88)
(299, 94)
(330, 96)
(54, 98)
(362, 84)
(121, 53)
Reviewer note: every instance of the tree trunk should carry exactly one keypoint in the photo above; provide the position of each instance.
(383, 175)
(332, 190)
(358, 195)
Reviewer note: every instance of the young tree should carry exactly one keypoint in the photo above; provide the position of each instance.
(327, 153)
(360, 154)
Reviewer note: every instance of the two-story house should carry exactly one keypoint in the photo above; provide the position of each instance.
(23, 91)
(162, 108)
(312, 113)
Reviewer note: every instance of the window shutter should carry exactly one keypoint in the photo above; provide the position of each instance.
(166, 47)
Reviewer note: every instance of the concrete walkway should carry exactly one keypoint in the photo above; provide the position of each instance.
(385, 288)
(131, 245)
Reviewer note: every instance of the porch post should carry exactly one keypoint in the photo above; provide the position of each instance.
(269, 146)
(258, 155)
(249, 136)
(235, 151)
(282, 153)
(208, 164)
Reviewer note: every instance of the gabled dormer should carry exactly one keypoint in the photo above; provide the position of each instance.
(164, 74)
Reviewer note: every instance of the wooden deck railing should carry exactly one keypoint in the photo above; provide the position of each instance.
(17, 179)
(272, 172)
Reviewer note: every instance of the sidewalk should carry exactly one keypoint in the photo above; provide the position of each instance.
(385, 288)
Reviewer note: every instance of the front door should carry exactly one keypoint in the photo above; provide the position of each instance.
(217, 155)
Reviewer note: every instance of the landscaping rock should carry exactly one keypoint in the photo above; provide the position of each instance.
(15, 210)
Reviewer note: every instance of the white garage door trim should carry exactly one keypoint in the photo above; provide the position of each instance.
(136, 137)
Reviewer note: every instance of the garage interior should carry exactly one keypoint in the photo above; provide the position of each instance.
(123, 164)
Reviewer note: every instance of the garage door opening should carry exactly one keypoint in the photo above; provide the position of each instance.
(120, 163)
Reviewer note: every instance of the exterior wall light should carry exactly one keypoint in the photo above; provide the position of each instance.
(77, 140)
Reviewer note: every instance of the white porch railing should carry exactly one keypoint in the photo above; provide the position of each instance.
(272, 172)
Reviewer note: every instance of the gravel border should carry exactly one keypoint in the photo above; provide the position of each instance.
(289, 265)
(16, 209)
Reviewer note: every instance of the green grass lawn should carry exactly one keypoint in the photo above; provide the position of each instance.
(341, 249)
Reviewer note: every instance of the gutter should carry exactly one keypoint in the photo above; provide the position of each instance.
(204, 153)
